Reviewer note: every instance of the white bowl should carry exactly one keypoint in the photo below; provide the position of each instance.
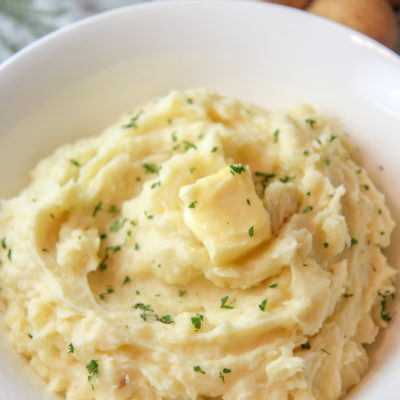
(76, 81)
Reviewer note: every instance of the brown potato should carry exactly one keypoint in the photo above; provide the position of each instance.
(375, 18)
(292, 3)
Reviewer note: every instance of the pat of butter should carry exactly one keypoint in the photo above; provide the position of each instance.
(224, 212)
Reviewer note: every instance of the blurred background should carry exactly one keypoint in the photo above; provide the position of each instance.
(23, 21)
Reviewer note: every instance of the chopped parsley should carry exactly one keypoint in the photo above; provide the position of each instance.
(169, 120)
(9, 255)
(266, 177)
(126, 280)
(137, 247)
(3, 243)
(103, 236)
(93, 369)
(30, 336)
(306, 345)
(381, 233)
(192, 204)
(197, 368)
(326, 351)
(142, 306)
(191, 170)
(274, 285)
(97, 208)
(346, 295)
(224, 300)
(327, 161)
(306, 152)
(71, 348)
(308, 194)
(311, 122)
(76, 163)
(214, 149)
(173, 137)
(276, 134)
(182, 293)
(148, 216)
(236, 169)
(138, 292)
(52, 216)
(103, 295)
(151, 168)
(307, 209)
(251, 231)
(155, 184)
(190, 101)
(380, 211)
(115, 226)
(103, 265)
(189, 145)
(113, 209)
(359, 171)
(114, 248)
(326, 245)
(197, 320)
(386, 317)
(366, 187)
(165, 319)
(262, 305)
(332, 138)
(224, 371)
(133, 121)
(353, 242)
(287, 179)
(248, 202)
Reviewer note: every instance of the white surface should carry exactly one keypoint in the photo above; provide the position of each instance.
(76, 81)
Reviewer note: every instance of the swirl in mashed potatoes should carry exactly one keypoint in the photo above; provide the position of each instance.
(200, 248)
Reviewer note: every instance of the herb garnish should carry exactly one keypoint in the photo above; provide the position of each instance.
(93, 369)
(151, 168)
(386, 317)
(224, 371)
(165, 319)
(276, 134)
(197, 320)
(327, 161)
(71, 348)
(126, 280)
(192, 204)
(306, 345)
(103, 295)
(132, 123)
(103, 265)
(224, 301)
(214, 149)
(326, 245)
(3, 243)
(97, 208)
(326, 351)
(30, 336)
(262, 305)
(115, 226)
(353, 242)
(237, 169)
(251, 231)
(9, 255)
(311, 122)
(189, 145)
(332, 138)
(248, 202)
(182, 293)
(287, 179)
(76, 163)
(189, 100)
(307, 209)
(197, 368)
(274, 285)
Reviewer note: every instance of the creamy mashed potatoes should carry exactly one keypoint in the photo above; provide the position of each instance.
(200, 248)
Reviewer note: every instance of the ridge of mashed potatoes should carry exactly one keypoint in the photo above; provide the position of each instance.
(200, 248)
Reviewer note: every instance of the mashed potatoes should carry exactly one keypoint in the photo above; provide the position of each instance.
(200, 248)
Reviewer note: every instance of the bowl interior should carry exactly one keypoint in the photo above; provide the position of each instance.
(76, 81)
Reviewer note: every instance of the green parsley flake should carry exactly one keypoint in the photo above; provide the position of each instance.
(9, 255)
(97, 208)
(114, 248)
(326, 351)
(327, 161)
(165, 319)
(311, 122)
(142, 306)
(197, 368)
(30, 336)
(386, 317)
(274, 285)
(182, 293)
(248, 202)
(332, 138)
(224, 371)
(262, 305)
(93, 369)
(155, 184)
(126, 280)
(76, 163)
(353, 242)
(237, 169)
(306, 152)
(103, 265)
(326, 245)
(189, 145)
(103, 295)
(346, 295)
(306, 345)
(115, 226)
(251, 231)
(224, 301)
(113, 209)
(307, 209)
(192, 204)
(3, 243)
(197, 320)
(266, 177)
(214, 149)
(137, 247)
(287, 179)
(71, 348)
(191, 170)
(52, 216)
(151, 168)
(133, 121)
(169, 120)
(190, 101)
(276, 134)
(173, 137)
